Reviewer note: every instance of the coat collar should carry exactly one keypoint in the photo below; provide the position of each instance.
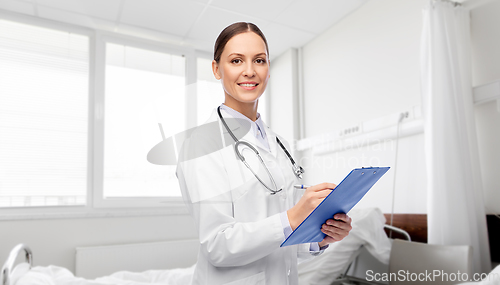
(249, 137)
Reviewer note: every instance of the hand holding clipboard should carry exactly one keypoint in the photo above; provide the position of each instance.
(341, 200)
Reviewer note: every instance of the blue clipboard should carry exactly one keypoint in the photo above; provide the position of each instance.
(341, 200)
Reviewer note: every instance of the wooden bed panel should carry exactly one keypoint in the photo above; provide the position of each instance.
(414, 224)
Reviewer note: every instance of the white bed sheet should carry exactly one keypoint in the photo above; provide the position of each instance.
(54, 275)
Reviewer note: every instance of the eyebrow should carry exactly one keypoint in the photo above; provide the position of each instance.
(242, 55)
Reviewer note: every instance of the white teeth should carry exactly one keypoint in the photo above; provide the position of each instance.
(248, 85)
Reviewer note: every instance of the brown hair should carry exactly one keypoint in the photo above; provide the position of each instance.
(233, 30)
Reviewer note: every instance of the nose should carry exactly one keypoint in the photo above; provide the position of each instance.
(249, 70)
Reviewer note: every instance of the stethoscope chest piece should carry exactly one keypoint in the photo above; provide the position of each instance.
(298, 171)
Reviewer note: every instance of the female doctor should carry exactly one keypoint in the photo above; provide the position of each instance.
(243, 198)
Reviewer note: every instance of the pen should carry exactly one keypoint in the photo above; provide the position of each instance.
(299, 186)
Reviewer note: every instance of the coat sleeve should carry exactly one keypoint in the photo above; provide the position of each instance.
(224, 241)
(304, 252)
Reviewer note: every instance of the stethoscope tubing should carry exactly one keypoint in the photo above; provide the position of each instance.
(296, 169)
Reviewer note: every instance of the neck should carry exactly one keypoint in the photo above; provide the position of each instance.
(249, 110)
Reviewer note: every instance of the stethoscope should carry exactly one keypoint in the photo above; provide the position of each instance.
(297, 170)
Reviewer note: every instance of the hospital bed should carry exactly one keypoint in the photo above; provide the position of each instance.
(115, 264)
(332, 267)
(26, 274)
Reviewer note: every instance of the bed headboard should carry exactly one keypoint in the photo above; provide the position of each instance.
(414, 224)
(98, 261)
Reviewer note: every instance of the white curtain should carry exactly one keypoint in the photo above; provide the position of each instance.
(456, 214)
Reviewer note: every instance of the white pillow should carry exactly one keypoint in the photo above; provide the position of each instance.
(367, 230)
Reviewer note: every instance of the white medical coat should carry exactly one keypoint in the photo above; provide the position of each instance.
(238, 220)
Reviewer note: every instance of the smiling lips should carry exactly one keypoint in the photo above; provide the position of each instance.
(248, 85)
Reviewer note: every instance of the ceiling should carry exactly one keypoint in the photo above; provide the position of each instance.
(195, 23)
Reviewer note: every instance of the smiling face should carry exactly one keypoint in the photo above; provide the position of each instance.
(243, 69)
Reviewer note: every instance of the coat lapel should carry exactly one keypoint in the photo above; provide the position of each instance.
(271, 140)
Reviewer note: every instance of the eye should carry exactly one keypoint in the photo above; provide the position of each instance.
(236, 61)
(260, 61)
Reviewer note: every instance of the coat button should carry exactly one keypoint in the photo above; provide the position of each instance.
(288, 272)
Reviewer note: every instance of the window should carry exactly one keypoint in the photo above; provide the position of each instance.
(144, 104)
(44, 78)
(138, 99)
(210, 92)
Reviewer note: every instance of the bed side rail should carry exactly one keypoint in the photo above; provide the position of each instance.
(9, 264)
(398, 230)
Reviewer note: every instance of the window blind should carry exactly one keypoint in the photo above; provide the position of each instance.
(44, 78)
(210, 93)
(144, 88)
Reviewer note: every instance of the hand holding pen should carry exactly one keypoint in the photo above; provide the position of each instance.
(311, 198)
(335, 229)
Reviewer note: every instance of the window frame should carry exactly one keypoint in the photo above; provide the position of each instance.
(101, 39)
(96, 206)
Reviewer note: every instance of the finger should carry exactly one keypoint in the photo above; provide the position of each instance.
(322, 186)
(336, 229)
(343, 229)
(339, 224)
(335, 233)
(322, 193)
(333, 236)
(329, 240)
(342, 217)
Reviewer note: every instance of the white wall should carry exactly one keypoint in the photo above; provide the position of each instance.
(410, 196)
(485, 29)
(53, 242)
(365, 67)
(281, 91)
